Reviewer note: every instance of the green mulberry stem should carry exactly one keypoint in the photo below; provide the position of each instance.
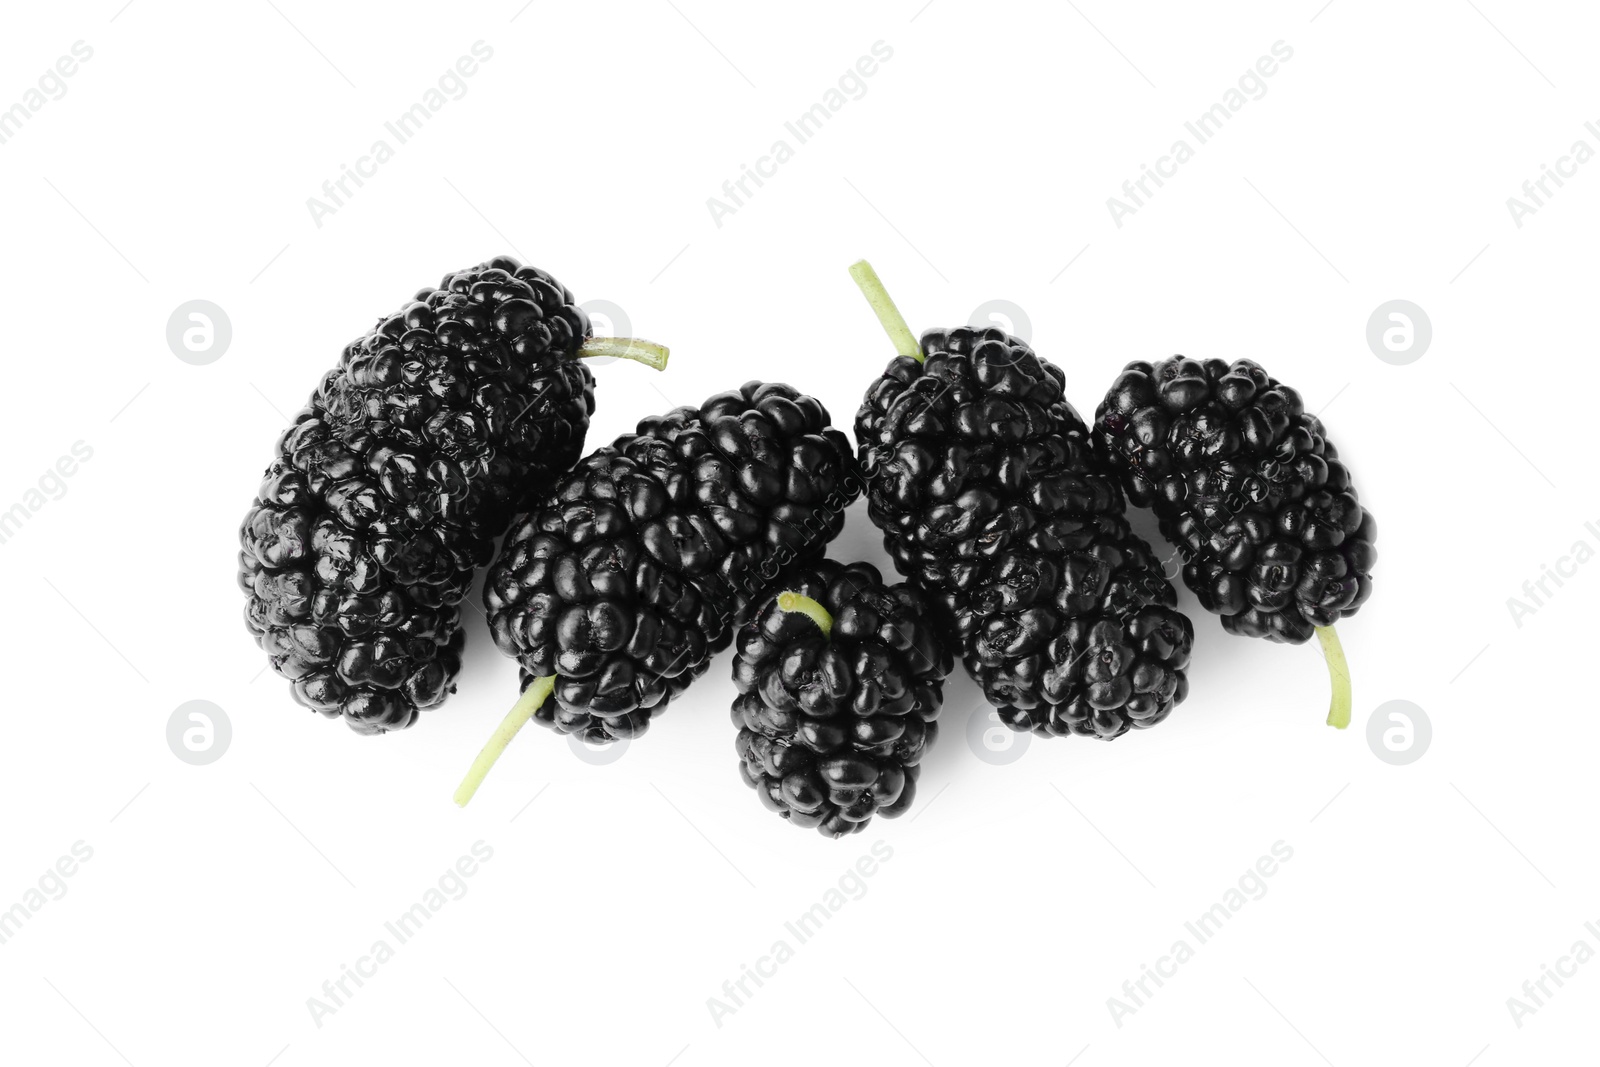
(1339, 675)
(812, 610)
(530, 701)
(637, 349)
(894, 324)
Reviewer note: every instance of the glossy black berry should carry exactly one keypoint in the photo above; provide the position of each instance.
(388, 490)
(985, 484)
(1248, 487)
(636, 568)
(834, 724)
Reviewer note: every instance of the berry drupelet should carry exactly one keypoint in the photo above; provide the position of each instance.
(614, 593)
(1248, 487)
(840, 679)
(985, 484)
(388, 490)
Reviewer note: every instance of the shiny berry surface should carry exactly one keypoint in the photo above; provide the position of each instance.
(1248, 487)
(388, 490)
(832, 728)
(985, 484)
(638, 566)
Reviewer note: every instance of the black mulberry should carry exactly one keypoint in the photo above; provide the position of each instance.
(840, 679)
(1248, 487)
(388, 490)
(985, 484)
(616, 591)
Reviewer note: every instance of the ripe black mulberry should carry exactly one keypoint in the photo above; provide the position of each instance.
(615, 592)
(388, 490)
(985, 484)
(840, 680)
(1248, 487)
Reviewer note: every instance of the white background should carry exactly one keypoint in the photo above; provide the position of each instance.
(977, 165)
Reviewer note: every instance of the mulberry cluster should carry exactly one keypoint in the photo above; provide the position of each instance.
(984, 482)
(840, 679)
(644, 559)
(1248, 487)
(388, 490)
